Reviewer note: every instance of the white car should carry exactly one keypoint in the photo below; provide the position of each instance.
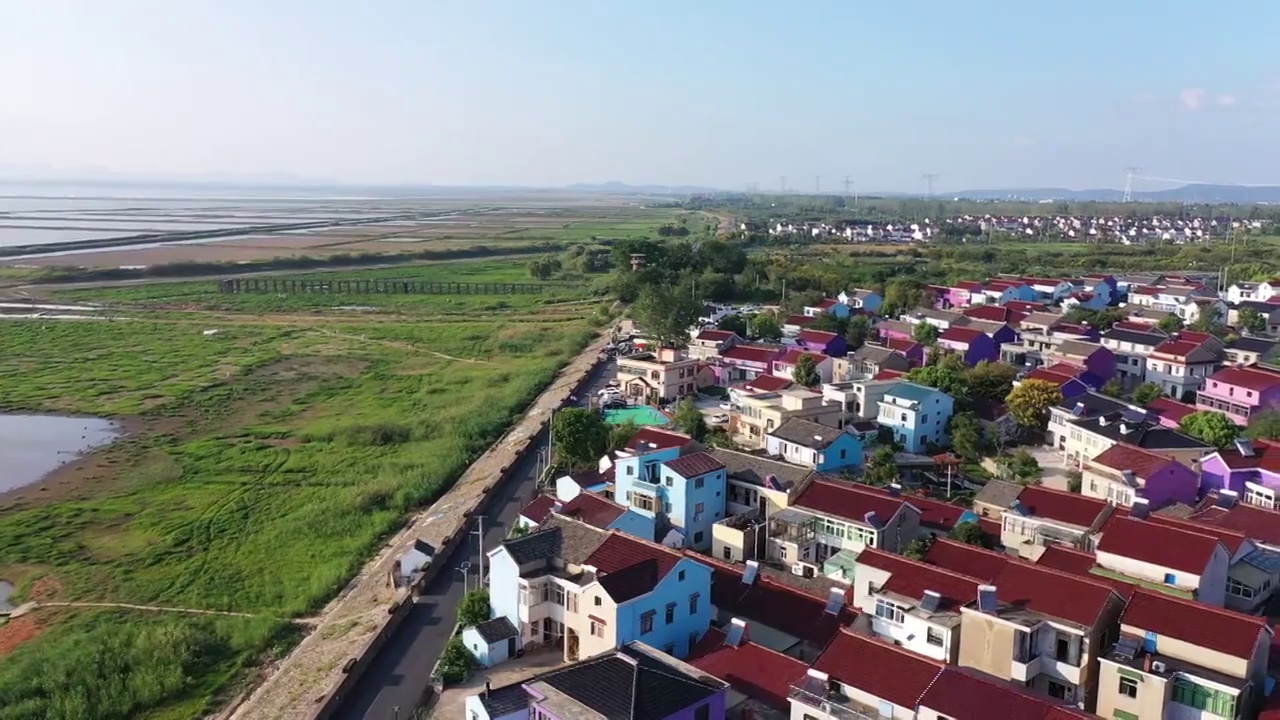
(719, 419)
(726, 406)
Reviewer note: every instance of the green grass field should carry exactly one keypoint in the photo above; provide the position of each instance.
(272, 458)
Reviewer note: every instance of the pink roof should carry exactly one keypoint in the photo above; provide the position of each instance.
(800, 320)
(1206, 626)
(1250, 378)
(751, 353)
(1167, 408)
(1123, 456)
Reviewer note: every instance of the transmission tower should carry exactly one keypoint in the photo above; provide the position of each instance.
(817, 184)
(928, 181)
(782, 183)
(1129, 172)
(847, 184)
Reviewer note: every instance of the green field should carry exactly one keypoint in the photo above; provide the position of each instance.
(270, 460)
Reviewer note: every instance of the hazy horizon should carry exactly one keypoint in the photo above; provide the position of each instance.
(989, 94)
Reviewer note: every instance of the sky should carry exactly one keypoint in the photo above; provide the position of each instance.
(719, 93)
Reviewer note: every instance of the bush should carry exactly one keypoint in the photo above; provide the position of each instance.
(1074, 481)
(474, 608)
(456, 662)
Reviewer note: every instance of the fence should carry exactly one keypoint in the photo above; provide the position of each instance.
(384, 287)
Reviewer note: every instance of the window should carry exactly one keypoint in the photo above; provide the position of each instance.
(670, 482)
(671, 613)
(782, 552)
(1186, 692)
(1128, 687)
(693, 640)
(888, 611)
(597, 630)
(646, 622)
(598, 602)
(697, 538)
(698, 508)
(933, 637)
(669, 648)
(1240, 590)
(728, 552)
(693, 603)
(631, 470)
(924, 418)
(680, 576)
(698, 483)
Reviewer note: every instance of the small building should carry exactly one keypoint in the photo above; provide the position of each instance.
(916, 415)
(492, 642)
(661, 376)
(822, 343)
(820, 447)
(784, 367)
(1123, 473)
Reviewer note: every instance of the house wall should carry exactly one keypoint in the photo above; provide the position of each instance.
(633, 523)
(1196, 654)
(914, 427)
(715, 706)
(695, 509)
(590, 645)
(686, 628)
(791, 452)
(1148, 571)
(635, 469)
(475, 711)
(504, 586)
(486, 654)
(1153, 693)
(844, 452)
(1215, 475)
(986, 644)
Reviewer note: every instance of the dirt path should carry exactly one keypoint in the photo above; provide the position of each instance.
(30, 607)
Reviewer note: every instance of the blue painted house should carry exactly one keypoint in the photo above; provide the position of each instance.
(671, 484)
(826, 449)
(917, 415)
(859, 299)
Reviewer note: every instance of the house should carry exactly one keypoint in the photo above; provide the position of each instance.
(963, 694)
(1207, 309)
(661, 376)
(822, 343)
(536, 512)
(999, 332)
(1097, 361)
(870, 360)
(1131, 344)
(973, 346)
(599, 511)
(895, 330)
(793, 324)
(829, 516)
(493, 641)
(710, 343)
(858, 398)
(685, 490)
(910, 349)
(1164, 555)
(916, 415)
(1252, 350)
(747, 362)
(857, 299)
(1252, 291)
(1168, 412)
(957, 296)
(1089, 405)
(757, 485)
(822, 448)
(1249, 468)
(862, 677)
(911, 603)
(996, 313)
(1083, 427)
(1169, 298)
(941, 319)
(759, 678)
(1066, 378)
(1178, 658)
(827, 306)
(634, 681)
(758, 415)
(1100, 284)
(1039, 516)
(1180, 364)
(1041, 321)
(762, 384)
(1049, 290)
(1270, 312)
(789, 614)
(1004, 291)
(1252, 534)
(784, 367)
(1240, 393)
(1124, 472)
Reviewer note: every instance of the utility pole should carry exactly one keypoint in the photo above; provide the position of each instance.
(479, 533)
(928, 182)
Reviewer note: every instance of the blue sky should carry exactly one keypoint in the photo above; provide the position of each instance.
(987, 93)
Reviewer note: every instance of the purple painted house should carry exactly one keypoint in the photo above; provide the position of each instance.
(972, 345)
(608, 686)
(1247, 464)
(1097, 361)
(895, 330)
(1118, 472)
(1240, 392)
(824, 343)
(1064, 376)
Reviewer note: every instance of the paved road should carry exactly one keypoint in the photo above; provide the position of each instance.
(400, 673)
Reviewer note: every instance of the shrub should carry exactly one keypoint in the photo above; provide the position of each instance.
(456, 662)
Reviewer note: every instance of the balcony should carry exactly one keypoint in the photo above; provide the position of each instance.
(1028, 668)
(793, 526)
(818, 695)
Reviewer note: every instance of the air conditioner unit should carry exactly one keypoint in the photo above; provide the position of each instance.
(804, 569)
(1159, 666)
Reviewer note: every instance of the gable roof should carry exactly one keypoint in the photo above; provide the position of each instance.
(1228, 632)
(910, 578)
(1061, 506)
(1052, 593)
(1185, 350)
(995, 313)
(1165, 545)
(1078, 348)
(769, 602)
(558, 537)
(807, 433)
(1000, 493)
(767, 383)
(1252, 377)
(962, 693)
(539, 509)
(649, 439)
(497, 630)
(631, 684)
(593, 509)
(958, 334)
(1266, 456)
(694, 464)
(753, 670)
(799, 320)
(878, 668)
(755, 470)
(716, 336)
(1254, 522)
(872, 353)
(792, 356)
(1067, 559)
(848, 501)
(628, 567)
(1147, 337)
(1123, 456)
(751, 353)
(1051, 376)
(1166, 408)
(966, 559)
(816, 337)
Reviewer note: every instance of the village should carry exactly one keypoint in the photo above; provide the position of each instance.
(1045, 497)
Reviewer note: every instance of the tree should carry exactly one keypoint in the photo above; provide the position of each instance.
(991, 381)
(580, 436)
(946, 372)
(966, 436)
(858, 332)
(1146, 393)
(1264, 426)
(925, 334)
(903, 294)
(1208, 322)
(734, 323)
(805, 372)
(827, 322)
(543, 268)
(1210, 426)
(1170, 324)
(970, 533)
(1252, 321)
(456, 661)
(666, 316)
(474, 608)
(764, 326)
(918, 548)
(881, 469)
(1029, 403)
(689, 420)
(1114, 388)
(620, 435)
(518, 531)
(1021, 467)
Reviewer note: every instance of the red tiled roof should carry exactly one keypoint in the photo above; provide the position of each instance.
(1123, 456)
(1159, 544)
(1229, 538)
(778, 606)
(1042, 281)
(592, 509)
(753, 670)
(888, 375)
(1145, 290)
(878, 668)
(910, 578)
(793, 356)
(1066, 368)
(1251, 521)
(1196, 337)
(1251, 378)
(1066, 328)
(629, 567)
(995, 313)
(848, 501)
(817, 337)
(1053, 593)
(966, 559)
(901, 345)
(539, 509)
(1232, 633)
(1167, 408)
(751, 353)
(1266, 456)
(1062, 506)
(1067, 559)
(1022, 306)
(828, 303)
(716, 335)
(1136, 327)
(650, 439)
(767, 383)
(960, 334)
(936, 513)
(1176, 348)
(965, 694)
(694, 464)
(1050, 376)
(800, 320)
(1001, 285)
(991, 527)
(970, 285)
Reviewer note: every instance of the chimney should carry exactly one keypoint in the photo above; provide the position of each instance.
(1141, 507)
(1146, 663)
(486, 688)
(987, 599)
(895, 489)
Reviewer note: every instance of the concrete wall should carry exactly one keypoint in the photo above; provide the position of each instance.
(986, 644)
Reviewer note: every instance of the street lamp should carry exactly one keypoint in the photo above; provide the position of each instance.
(465, 569)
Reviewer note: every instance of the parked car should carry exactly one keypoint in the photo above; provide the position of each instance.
(719, 419)
(612, 383)
(726, 406)
(617, 404)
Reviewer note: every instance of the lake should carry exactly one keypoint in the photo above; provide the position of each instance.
(32, 446)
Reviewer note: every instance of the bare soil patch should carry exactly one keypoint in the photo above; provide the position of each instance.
(14, 633)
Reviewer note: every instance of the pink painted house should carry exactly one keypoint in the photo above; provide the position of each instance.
(747, 362)
(1240, 392)
(958, 295)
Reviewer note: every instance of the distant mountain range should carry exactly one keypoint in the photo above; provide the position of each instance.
(1198, 193)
